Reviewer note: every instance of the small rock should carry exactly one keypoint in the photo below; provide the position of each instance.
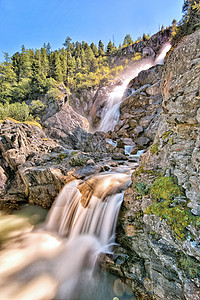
(119, 156)
(142, 141)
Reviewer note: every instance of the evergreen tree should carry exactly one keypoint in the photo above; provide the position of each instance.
(91, 63)
(127, 40)
(44, 62)
(77, 49)
(83, 59)
(71, 64)
(8, 79)
(58, 75)
(190, 20)
(101, 48)
(94, 49)
(109, 48)
(38, 78)
(48, 48)
(67, 43)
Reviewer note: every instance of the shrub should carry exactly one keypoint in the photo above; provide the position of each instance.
(78, 161)
(17, 111)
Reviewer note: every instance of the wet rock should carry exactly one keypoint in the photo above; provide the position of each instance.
(119, 156)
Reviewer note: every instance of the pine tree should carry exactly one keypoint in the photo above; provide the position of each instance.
(38, 78)
(101, 48)
(109, 48)
(190, 21)
(94, 49)
(91, 63)
(127, 40)
(8, 79)
(44, 62)
(67, 43)
(58, 75)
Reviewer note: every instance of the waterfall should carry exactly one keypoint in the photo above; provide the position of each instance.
(57, 261)
(111, 110)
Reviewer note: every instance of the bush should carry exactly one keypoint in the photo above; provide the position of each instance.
(37, 107)
(17, 111)
(78, 161)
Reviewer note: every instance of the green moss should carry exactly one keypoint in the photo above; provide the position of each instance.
(139, 171)
(178, 217)
(164, 188)
(154, 148)
(74, 152)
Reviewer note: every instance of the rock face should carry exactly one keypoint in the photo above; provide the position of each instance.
(20, 145)
(159, 264)
(178, 135)
(34, 168)
(70, 129)
(151, 46)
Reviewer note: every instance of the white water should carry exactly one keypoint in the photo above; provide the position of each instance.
(111, 111)
(53, 261)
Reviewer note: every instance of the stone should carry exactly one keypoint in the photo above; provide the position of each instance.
(142, 141)
(144, 122)
(154, 89)
(138, 130)
(119, 156)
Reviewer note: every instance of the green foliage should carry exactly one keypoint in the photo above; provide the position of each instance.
(17, 111)
(30, 74)
(127, 40)
(61, 156)
(190, 21)
(141, 188)
(37, 107)
(78, 161)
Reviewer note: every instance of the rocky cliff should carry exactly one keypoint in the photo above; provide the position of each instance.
(158, 231)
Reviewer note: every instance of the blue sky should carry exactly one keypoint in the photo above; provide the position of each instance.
(33, 22)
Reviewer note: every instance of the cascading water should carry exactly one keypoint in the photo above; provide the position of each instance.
(54, 261)
(111, 112)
